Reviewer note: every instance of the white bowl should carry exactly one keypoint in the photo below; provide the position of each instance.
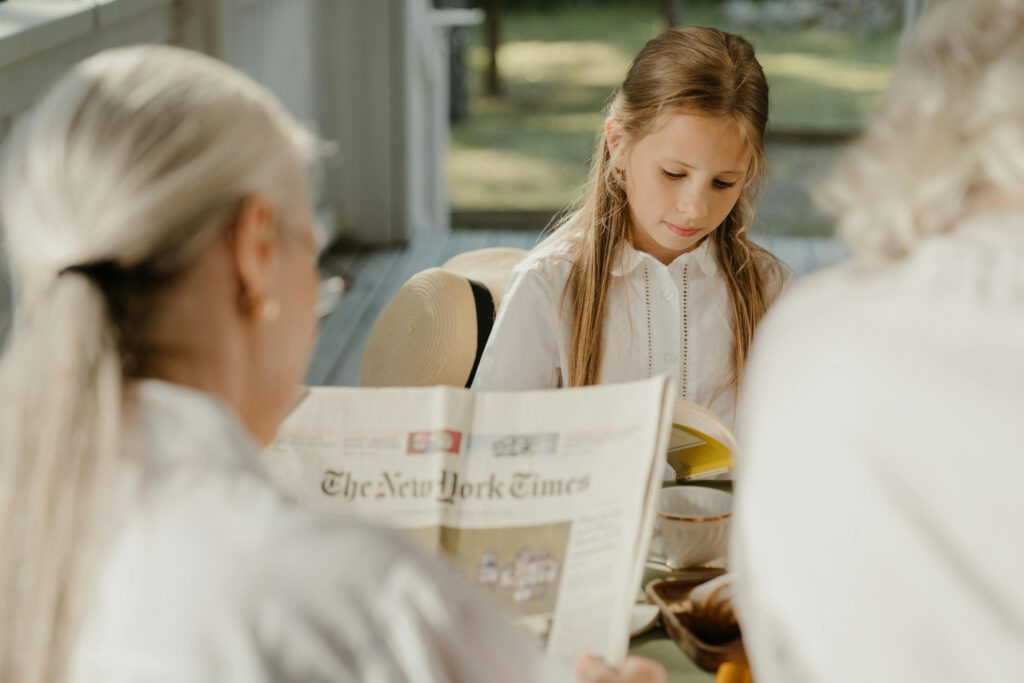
(692, 526)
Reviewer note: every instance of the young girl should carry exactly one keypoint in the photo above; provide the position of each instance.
(653, 271)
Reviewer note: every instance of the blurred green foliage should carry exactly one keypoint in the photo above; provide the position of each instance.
(529, 148)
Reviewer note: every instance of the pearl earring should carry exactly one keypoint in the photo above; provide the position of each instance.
(270, 310)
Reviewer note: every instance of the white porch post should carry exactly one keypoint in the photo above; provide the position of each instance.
(385, 102)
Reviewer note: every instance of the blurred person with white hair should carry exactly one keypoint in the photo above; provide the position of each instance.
(879, 519)
(155, 210)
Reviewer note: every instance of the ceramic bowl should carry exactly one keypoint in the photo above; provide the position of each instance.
(692, 526)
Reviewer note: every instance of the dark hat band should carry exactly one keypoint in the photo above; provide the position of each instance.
(484, 304)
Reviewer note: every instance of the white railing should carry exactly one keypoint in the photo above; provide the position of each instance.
(40, 40)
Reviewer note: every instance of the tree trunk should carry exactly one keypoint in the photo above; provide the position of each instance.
(674, 11)
(493, 85)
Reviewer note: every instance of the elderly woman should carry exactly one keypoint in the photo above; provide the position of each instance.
(879, 521)
(155, 210)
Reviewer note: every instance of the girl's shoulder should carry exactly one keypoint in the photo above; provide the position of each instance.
(551, 260)
(543, 275)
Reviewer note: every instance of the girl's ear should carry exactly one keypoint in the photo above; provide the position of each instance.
(613, 138)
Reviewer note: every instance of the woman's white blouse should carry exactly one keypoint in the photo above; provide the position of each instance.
(879, 529)
(674, 319)
(213, 576)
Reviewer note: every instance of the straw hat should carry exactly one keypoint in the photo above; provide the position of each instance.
(436, 327)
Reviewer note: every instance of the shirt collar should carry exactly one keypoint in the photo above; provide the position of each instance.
(630, 258)
(183, 426)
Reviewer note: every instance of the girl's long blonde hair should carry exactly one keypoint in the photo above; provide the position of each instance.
(690, 70)
(111, 187)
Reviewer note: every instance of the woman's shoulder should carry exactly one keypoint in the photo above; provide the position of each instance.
(777, 276)
(554, 254)
(833, 301)
(239, 542)
(267, 528)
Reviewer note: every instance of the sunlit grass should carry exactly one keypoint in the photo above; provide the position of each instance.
(503, 180)
(580, 63)
(827, 72)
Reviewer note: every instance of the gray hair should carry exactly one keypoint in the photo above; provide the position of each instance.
(133, 163)
(952, 123)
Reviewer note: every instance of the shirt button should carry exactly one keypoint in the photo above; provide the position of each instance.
(668, 294)
(671, 358)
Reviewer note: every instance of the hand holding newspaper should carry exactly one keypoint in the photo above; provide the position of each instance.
(545, 499)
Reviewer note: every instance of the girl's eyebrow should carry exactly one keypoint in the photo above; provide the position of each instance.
(693, 168)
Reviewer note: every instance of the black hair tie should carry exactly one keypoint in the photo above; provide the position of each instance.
(97, 271)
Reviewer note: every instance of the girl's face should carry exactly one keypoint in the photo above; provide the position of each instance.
(682, 180)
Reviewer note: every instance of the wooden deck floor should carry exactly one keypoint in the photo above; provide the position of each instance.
(373, 277)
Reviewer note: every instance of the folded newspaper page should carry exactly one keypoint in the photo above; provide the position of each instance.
(545, 499)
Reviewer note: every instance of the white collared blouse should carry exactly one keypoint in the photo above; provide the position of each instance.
(215, 577)
(674, 319)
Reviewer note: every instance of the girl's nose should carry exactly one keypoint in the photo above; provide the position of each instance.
(692, 203)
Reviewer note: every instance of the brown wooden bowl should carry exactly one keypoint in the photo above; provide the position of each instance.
(671, 596)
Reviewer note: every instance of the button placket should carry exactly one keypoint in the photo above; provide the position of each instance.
(664, 341)
(684, 365)
(650, 323)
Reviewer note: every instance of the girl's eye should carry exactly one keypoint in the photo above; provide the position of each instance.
(672, 176)
(722, 185)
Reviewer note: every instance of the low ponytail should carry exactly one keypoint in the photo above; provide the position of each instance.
(60, 390)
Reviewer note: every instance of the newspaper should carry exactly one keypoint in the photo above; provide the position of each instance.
(545, 499)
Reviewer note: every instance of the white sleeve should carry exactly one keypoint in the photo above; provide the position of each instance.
(286, 595)
(441, 628)
(522, 351)
(376, 607)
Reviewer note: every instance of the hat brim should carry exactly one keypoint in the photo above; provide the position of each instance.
(491, 267)
(426, 335)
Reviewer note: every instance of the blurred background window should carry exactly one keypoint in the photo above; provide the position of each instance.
(522, 133)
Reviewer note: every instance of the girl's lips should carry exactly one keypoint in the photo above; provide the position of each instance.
(682, 231)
